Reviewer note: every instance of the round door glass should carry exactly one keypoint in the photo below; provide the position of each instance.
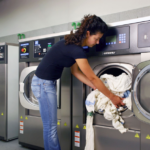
(116, 71)
(28, 91)
(143, 92)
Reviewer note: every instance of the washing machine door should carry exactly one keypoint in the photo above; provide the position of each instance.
(115, 69)
(141, 91)
(27, 98)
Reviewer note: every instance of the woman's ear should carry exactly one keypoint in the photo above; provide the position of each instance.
(87, 33)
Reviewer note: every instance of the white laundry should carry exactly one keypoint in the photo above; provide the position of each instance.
(89, 133)
(97, 101)
(117, 84)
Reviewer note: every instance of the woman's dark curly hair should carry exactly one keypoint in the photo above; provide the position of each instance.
(90, 23)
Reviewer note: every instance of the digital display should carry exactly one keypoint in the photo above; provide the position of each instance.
(41, 47)
(2, 52)
(111, 40)
(24, 50)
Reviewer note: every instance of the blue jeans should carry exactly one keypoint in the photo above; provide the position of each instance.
(45, 92)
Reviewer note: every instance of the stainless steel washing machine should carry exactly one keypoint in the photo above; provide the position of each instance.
(32, 51)
(124, 48)
(9, 91)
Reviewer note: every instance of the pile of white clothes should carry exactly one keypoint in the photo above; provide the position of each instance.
(98, 102)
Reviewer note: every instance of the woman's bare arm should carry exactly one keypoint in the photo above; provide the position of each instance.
(79, 75)
(88, 72)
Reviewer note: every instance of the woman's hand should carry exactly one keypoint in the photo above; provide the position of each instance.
(117, 101)
(93, 81)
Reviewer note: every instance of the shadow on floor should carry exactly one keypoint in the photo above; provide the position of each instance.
(12, 145)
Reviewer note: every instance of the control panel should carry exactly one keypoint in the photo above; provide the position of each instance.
(41, 47)
(115, 39)
(24, 50)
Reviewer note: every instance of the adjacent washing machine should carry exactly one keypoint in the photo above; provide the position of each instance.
(9, 91)
(123, 49)
(32, 51)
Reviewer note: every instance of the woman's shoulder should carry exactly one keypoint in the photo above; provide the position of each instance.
(61, 44)
(74, 46)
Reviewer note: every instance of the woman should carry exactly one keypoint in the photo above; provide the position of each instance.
(67, 53)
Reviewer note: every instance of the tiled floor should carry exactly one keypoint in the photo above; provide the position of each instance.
(11, 145)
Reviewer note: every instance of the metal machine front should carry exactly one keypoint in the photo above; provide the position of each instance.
(32, 52)
(3, 94)
(103, 128)
(31, 107)
(140, 98)
(140, 91)
(119, 51)
(8, 91)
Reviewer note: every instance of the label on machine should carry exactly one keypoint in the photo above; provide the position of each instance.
(77, 139)
(2, 52)
(21, 127)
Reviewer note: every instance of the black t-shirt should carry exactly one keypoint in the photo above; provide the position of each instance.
(58, 57)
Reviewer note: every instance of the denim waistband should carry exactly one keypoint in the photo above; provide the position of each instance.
(43, 80)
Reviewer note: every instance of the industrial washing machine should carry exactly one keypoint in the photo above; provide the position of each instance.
(124, 48)
(32, 50)
(9, 91)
